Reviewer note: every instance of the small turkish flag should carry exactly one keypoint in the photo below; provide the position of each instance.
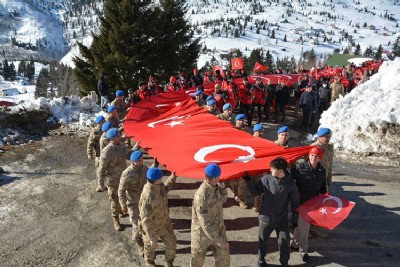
(325, 210)
(259, 67)
(237, 63)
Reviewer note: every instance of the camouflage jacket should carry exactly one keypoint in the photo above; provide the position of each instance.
(103, 141)
(115, 122)
(93, 144)
(112, 163)
(222, 116)
(131, 185)
(337, 89)
(279, 143)
(207, 214)
(121, 108)
(153, 208)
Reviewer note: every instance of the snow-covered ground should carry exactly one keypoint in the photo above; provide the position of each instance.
(367, 120)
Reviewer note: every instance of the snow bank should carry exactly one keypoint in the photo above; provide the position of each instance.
(71, 110)
(367, 120)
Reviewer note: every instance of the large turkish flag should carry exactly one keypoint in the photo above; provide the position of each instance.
(325, 210)
(187, 138)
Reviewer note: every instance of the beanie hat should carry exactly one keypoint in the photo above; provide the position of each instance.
(198, 93)
(239, 117)
(154, 174)
(119, 93)
(210, 97)
(99, 119)
(213, 170)
(257, 127)
(283, 129)
(106, 126)
(226, 106)
(136, 155)
(141, 83)
(111, 133)
(111, 108)
(316, 151)
(323, 131)
(211, 102)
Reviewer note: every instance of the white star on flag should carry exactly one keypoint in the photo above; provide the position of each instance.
(173, 123)
(323, 211)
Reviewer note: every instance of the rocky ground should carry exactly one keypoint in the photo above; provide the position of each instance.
(50, 214)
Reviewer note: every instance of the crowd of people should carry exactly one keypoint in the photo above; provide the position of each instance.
(139, 192)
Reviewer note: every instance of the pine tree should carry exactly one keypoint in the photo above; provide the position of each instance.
(255, 56)
(137, 39)
(30, 70)
(396, 46)
(357, 51)
(378, 53)
(269, 61)
(368, 52)
(284, 38)
(42, 83)
(272, 34)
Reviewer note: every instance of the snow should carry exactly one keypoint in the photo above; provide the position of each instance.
(367, 120)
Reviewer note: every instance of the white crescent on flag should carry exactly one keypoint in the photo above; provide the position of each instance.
(203, 152)
(337, 200)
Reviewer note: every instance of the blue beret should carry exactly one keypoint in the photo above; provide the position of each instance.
(198, 93)
(154, 174)
(226, 106)
(239, 117)
(211, 102)
(257, 127)
(209, 97)
(213, 170)
(283, 129)
(113, 132)
(111, 108)
(323, 131)
(119, 93)
(136, 155)
(99, 119)
(106, 126)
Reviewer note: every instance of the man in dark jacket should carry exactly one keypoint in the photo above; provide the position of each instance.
(310, 179)
(282, 95)
(270, 91)
(278, 189)
(308, 104)
(324, 97)
(102, 88)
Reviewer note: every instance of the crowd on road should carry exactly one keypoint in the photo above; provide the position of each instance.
(138, 191)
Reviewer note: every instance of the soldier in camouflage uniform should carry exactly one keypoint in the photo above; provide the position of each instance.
(208, 229)
(120, 104)
(239, 121)
(103, 138)
(212, 107)
(130, 187)
(226, 114)
(324, 136)
(113, 117)
(283, 137)
(112, 164)
(155, 222)
(199, 98)
(337, 89)
(93, 144)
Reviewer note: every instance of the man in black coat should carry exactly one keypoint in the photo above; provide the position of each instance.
(103, 90)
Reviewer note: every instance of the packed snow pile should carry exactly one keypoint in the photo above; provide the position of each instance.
(367, 120)
(72, 110)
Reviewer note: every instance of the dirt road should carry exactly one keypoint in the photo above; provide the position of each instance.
(50, 215)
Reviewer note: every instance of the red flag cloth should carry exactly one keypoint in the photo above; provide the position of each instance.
(325, 210)
(187, 138)
(220, 68)
(237, 63)
(259, 67)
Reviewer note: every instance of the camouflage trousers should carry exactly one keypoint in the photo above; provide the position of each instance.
(199, 249)
(114, 200)
(96, 166)
(167, 235)
(238, 187)
(133, 211)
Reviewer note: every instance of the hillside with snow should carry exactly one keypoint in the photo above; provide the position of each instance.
(50, 29)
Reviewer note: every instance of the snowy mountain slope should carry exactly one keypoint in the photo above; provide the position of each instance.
(298, 26)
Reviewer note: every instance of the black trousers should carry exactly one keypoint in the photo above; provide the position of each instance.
(259, 111)
(307, 116)
(279, 108)
(282, 232)
(246, 110)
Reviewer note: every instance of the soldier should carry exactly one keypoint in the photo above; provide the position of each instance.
(212, 107)
(112, 164)
(93, 144)
(120, 104)
(283, 137)
(277, 189)
(130, 187)
(103, 138)
(113, 116)
(208, 227)
(337, 89)
(239, 121)
(199, 98)
(226, 114)
(258, 130)
(154, 217)
(324, 136)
